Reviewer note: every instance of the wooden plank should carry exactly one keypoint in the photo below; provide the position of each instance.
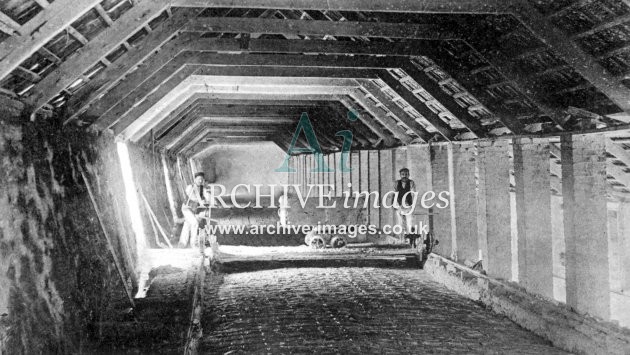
(465, 201)
(620, 153)
(602, 27)
(226, 104)
(386, 184)
(367, 119)
(249, 104)
(446, 100)
(355, 174)
(151, 76)
(156, 81)
(338, 175)
(584, 189)
(123, 105)
(8, 25)
(528, 88)
(43, 3)
(39, 30)
(423, 6)
(193, 123)
(533, 208)
(420, 106)
(315, 27)
(103, 14)
(195, 120)
(385, 120)
(361, 131)
(403, 116)
(227, 109)
(571, 52)
(77, 35)
(441, 223)
(110, 76)
(373, 185)
(84, 58)
(170, 93)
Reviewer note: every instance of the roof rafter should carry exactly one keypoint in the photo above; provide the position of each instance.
(140, 130)
(189, 42)
(434, 6)
(149, 112)
(120, 105)
(41, 29)
(94, 50)
(317, 27)
(585, 64)
(215, 102)
(8, 25)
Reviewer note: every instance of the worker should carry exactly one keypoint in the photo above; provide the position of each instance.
(404, 188)
(195, 203)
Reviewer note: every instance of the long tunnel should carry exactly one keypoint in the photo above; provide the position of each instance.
(292, 176)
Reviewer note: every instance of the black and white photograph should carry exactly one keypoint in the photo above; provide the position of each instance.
(314, 177)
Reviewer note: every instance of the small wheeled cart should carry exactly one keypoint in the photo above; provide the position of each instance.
(321, 240)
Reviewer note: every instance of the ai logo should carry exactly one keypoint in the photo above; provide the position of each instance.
(314, 148)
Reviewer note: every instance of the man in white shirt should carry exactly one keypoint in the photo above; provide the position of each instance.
(195, 203)
(404, 201)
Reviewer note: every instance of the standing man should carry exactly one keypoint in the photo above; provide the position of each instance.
(404, 201)
(195, 202)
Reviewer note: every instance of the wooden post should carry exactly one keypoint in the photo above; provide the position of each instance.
(533, 208)
(494, 208)
(585, 223)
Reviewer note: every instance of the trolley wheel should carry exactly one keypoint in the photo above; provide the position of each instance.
(318, 242)
(338, 242)
(308, 237)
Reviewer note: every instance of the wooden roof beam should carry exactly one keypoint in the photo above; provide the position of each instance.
(420, 6)
(42, 3)
(442, 127)
(601, 27)
(189, 59)
(196, 117)
(523, 85)
(149, 112)
(317, 27)
(619, 153)
(384, 120)
(583, 63)
(241, 104)
(388, 122)
(366, 125)
(39, 30)
(77, 35)
(435, 90)
(196, 124)
(8, 25)
(110, 76)
(103, 14)
(151, 83)
(209, 142)
(396, 110)
(94, 50)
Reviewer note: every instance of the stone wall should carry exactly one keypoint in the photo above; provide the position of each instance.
(149, 178)
(58, 278)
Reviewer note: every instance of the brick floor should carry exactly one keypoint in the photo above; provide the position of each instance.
(352, 310)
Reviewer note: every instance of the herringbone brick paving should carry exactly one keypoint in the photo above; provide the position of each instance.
(352, 310)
